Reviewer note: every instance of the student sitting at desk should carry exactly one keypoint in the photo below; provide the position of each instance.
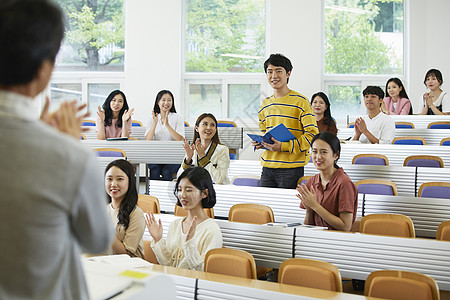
(164, 125)
(120, 186)
(206, 150)
(321, 107)
(375, 127)
(190, 238)
(397, 103)
(330, 197)
(436, 101)
(114, 120)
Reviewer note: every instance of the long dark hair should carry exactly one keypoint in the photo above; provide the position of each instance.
(328, 119)
(215, 138)
(201, 179)
(129, 202)
(156, 108)
(331, 140)
(402, 93)
(108, 111)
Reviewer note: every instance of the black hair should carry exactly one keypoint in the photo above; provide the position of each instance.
(331, 140)
(129, 202)
(31, 32)
(156, 108)
(436, 74)
(108, 111)
(328, 119)
(278, 60)
(215, 138)
(201, 179)
(402, 93)
(374, 90)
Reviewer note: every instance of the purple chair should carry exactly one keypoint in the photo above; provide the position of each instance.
(110, 152)
(409, 140)
(435, 190)
(376, 187)
(370, 159)
(424, 161)
(245, 180)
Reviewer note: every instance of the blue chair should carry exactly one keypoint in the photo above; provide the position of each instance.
(404, 125)
(377, 187)
(245, 180)
(435, 190)
(351, 125)
(232, 156)
(136, 123)
(303, 179)
(110, 152)
(423, 161)
(226, 124)
(409, 140)
(370, 159)
(439, 125)
(88, 123)
(186, 124)
(445, 142)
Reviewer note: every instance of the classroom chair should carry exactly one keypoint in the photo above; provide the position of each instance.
(377, 187)
(401, 285)
(87, 123)
(303, 179)
(186, 124)
(251, 213)
(246, 180)
(148, 204)
(370, 159)
(423, 161)
(230, 262)
(443, 231)
(136, 123)
(445, 142)
(388, 224)
(82, 137)
(110, 152)
(221, 123)
(439, 125)
(149, 255)
(435, 190)
(409, 140)
(351, 125)
(310, 273)
(181, 212)
(404, 125)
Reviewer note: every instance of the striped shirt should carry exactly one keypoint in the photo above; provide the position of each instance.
(294, 111)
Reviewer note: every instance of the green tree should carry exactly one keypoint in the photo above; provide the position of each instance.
(92, 25)
(225, 35)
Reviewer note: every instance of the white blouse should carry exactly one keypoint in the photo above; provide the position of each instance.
(161, 131)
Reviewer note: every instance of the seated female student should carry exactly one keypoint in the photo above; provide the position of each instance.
(190, 238)
(206, 150)
(330, 197)
(398, 102)
(114, 120)
(120, 185)
(321, 107)
(436, 101)
(164, 125)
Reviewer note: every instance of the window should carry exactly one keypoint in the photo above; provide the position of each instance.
(223, 38)
(363, 45)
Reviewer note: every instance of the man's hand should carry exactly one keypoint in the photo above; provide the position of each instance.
(276, 146)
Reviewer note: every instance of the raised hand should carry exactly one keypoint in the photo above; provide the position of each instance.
(192, 228)
(154, 117)
(188, 149)
(199, 148)
(101, 114)
(127, 115)
(154, 228)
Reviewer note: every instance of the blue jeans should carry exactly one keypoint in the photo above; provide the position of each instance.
(280, 178)
(168, 172)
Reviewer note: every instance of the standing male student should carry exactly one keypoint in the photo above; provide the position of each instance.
(283, 162)
(375, 127)
(52, 203)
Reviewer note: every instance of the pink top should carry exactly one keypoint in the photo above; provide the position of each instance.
(340, 195)
(402, 107)
(112, 131)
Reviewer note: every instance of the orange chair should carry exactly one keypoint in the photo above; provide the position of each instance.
(401, 285)
(423, 161)
(310, 273)
(409, 140)
(148, 204)
(110, 152)
(251, 213)
(443, 231)
(181, 212)
(388, 224)
(370, 159)
(377, 187)
(231, 262)
(303, 179)
(149, 255)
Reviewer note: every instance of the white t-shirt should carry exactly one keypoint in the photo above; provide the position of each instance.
(443, 100)
(381, 126)
(161, 133)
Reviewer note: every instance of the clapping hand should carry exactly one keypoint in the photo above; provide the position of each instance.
(154, 228)
(201, 150)
(127, 115)
(307, 196)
